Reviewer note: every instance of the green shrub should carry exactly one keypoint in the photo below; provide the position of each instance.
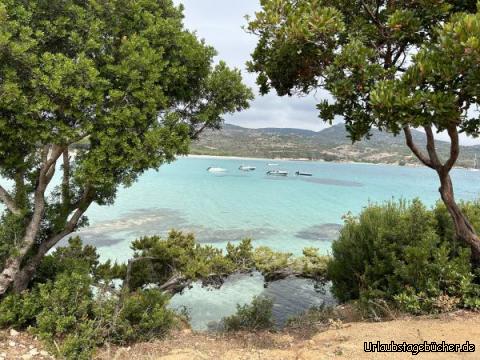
(68, 316)
(72, 308)
(405, 253)
(139, 316)
(19, 311)
(73, 321)
(254, 316)
(179, 254)
(268, 261)
(76, 257)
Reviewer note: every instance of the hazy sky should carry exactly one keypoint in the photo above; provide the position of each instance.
(220, 23)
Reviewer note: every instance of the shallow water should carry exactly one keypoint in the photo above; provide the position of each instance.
(287, 214)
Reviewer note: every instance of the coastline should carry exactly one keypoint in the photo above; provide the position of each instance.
(199, 156)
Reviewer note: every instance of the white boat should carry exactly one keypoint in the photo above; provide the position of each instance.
(272, 164)
(246, 168)
(213, 169)
(277, 173)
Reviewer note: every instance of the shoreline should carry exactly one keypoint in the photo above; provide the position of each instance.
(200, 156)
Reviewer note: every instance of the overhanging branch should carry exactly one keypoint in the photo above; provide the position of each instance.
(418, 153)
(432, 152)
(454, 148)
(8, 201)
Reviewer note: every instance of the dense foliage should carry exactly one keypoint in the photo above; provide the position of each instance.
(404, 253)
(123, 78)
(345, 47)
(173, 263)
(75, 309)
(392, 65)
(79, 303)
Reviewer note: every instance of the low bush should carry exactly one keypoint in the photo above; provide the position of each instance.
(252, 317)
(75, 311)
(71, 302)
(138, 316)
(406, 254)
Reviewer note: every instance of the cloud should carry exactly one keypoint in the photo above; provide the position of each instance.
(220, 23)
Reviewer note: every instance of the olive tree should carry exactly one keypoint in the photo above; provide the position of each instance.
(358, 50)
(121, 82)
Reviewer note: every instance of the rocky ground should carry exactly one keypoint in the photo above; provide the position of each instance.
(340, 341)
(16, 345)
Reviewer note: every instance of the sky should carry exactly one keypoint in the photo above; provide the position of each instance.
(220, 23)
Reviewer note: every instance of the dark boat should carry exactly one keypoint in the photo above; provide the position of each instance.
(299, 173)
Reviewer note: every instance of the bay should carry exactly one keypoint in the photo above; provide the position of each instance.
(284, 213)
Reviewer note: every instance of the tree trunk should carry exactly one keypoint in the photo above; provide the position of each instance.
(21, 281)
(463, 229)
(8, 274)
(16, 278)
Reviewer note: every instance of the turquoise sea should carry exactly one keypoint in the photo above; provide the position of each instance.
(287, 214)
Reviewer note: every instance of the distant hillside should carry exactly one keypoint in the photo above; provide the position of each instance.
(330, 144)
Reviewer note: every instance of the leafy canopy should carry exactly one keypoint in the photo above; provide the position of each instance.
(346, 47)
(443, 83)
(124, 75)
(121, 78)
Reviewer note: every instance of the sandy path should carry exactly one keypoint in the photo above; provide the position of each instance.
(345, 342)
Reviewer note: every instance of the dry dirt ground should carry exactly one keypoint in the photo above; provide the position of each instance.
(340, 341)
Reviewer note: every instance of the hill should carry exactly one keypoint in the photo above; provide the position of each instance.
(330, 144)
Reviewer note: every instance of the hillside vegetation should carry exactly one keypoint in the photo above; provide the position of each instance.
(331, 144)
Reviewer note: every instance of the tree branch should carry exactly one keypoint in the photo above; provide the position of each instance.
(199, 131)
(373, 17)
(432, 152)
(45, 175)
(175, 284)
(30, 267)
(8, 201)
(454, 148)
(418, 153)
(66, 179)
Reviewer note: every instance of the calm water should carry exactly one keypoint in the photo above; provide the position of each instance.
(284, 213)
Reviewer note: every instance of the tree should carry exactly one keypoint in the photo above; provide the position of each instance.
(440, 88)
(358, 51)
(122, 77)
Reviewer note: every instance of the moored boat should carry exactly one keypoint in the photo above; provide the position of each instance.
(214, 169)
(301, 173)
(277, 173)
(246, 168)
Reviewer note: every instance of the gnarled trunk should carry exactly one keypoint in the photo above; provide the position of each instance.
(8, 275)
(463, 229)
